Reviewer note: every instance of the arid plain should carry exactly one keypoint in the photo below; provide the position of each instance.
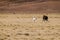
(21, 27)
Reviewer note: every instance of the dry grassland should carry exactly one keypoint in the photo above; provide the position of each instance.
(22, 27)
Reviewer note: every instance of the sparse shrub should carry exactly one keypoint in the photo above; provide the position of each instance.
(1, 39)
(26, 34)
(8, 35)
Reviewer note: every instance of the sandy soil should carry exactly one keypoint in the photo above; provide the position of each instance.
(22, 27)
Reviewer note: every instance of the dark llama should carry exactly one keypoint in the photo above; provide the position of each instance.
(45, 18)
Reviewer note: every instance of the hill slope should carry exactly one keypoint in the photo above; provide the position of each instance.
(35, 6)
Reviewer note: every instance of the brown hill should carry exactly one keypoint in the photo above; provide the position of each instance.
(45, 6)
